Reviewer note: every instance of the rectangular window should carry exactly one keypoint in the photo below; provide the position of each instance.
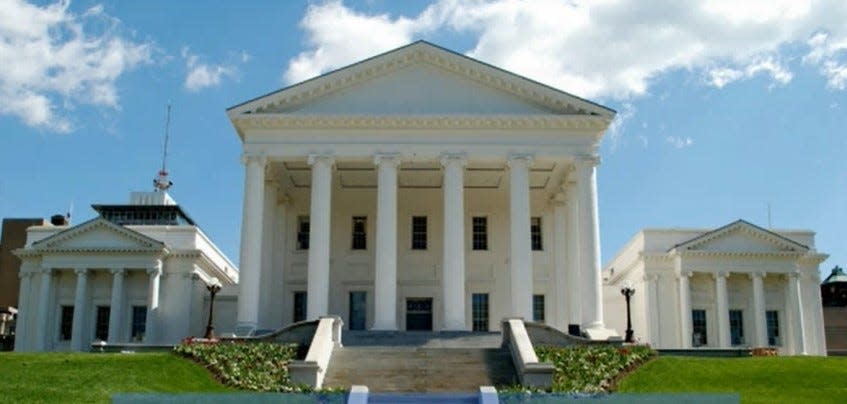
(360, 236)
(736, 327)
(538, 308)
(698, 328)
(302, 232)
(139, 322)
(535, 233)
(358, 309)
(299, 306)
(479, 311)
(419, 232)
(480, 233)
(101, 324)
(772, 317)
(67, 323)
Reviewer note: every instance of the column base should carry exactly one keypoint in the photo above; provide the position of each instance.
(600, 333)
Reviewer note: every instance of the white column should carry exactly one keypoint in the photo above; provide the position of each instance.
(573, 277)
(266, 287)
(151, 331)
(760, 327)
(116, 308)
(519, 231)
(684, 303)
(651, 283)
(78, 326)
(249, 277)
(279, 304)
(722, 308)
(317, 296)
(560, 261)
(589, 243)
(23, 337)
(796, 306)
(385, 282)
(42, 324)
(453, 276)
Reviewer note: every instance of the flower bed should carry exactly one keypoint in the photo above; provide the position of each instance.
(248, 366)
(591, 369)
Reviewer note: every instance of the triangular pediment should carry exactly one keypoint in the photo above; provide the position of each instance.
(98, 234)
(420, 79)
(741, 237)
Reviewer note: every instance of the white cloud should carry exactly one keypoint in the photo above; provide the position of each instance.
(610, 49)
(679, 142)
(202, 75)
(52, 60)
(616, 127)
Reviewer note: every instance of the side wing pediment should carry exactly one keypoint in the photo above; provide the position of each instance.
(98, 234)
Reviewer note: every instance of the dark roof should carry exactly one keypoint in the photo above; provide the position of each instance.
(837, 276)
(127, 215)
(735, 223)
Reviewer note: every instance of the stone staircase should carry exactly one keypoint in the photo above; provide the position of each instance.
(420, 362)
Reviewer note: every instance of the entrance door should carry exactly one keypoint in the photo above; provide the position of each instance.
(358, 305)
(419, 314)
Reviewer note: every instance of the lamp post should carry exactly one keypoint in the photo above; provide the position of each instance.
(628, 290)
(213, 287)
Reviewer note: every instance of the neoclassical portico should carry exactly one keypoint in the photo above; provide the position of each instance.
(420, 188)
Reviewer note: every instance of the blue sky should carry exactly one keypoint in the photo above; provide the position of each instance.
(723, 107)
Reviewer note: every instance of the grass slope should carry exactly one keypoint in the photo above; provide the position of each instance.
(69, 377)
(758, 380)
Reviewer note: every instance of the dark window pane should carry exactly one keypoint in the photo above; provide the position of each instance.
(538, 308)
(299, 306)
(419, 232)
(303, 232)
(698, 323)
(480, 233)
(360, 236)
(736, 327)
(139, 322)
(479, 310)
(772, 317)
(535, 233)
(101, 328)
(67, 323)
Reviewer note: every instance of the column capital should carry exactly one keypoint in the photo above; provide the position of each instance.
(720, 274)
(389, 159)
(321, 158)
(24, 275)
(282, 199)
(454, 158)
(254, 158)
(45, 270)
(117, 271)
(794, 275)
(520, 158)
(684, 274)
(81, 271)
(559, 199)
(755, 275)
(156, 269)
(586, 160)
(651, 277)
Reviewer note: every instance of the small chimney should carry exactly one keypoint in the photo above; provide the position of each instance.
(59, 220)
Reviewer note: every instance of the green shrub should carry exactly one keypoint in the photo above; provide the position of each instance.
(591, 369)
(246, 366)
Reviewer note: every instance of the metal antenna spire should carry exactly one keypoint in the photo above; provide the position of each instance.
(161, 182)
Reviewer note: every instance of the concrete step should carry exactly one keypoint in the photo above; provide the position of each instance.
(437, 339)
(420, 369)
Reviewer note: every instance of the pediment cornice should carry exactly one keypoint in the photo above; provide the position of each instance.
(55, 242)
(285, 121)
(556, 101)
(782, 243)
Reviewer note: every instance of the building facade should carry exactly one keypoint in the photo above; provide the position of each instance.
(135, 273)
(12, 237)
(420, 189)
(736, 286)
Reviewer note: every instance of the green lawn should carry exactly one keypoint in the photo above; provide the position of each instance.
(758, 380)
(68, 377)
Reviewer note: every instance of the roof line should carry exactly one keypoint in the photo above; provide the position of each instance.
(612, 111)
(739, 221)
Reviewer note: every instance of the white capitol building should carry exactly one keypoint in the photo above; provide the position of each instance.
(424, 190)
